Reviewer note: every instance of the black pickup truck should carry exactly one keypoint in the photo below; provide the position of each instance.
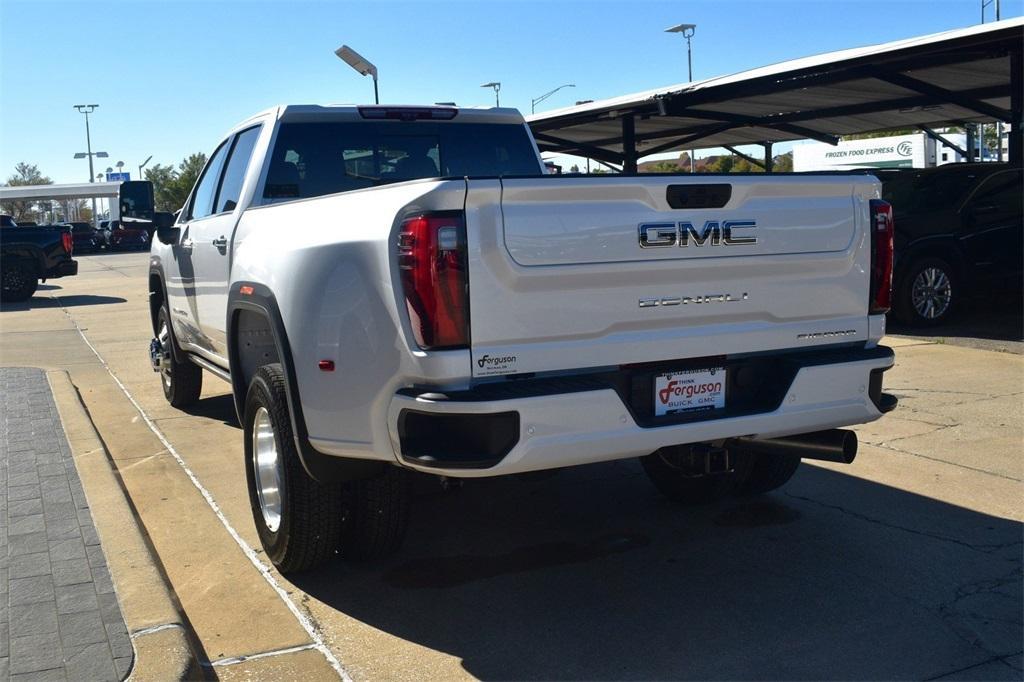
(31, 254)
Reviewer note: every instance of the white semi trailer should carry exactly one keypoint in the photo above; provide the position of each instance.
(900, 151)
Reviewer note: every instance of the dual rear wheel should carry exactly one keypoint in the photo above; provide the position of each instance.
(302, 522)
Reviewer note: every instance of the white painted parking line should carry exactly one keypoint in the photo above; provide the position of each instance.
(265, 571)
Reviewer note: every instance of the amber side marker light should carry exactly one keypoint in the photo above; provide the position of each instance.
(245, 290)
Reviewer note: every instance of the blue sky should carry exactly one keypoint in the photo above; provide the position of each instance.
(170, 77)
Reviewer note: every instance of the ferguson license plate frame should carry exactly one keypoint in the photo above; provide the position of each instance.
(690, 390)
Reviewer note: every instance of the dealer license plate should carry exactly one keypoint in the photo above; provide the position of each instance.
(689, 391)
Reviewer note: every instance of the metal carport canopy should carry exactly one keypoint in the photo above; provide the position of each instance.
(970, 75)
(80, 190)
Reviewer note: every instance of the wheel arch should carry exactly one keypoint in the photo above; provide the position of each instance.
(945, 248)
(157, 295)
(257, 336)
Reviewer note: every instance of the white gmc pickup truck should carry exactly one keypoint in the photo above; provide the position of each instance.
(391, 288)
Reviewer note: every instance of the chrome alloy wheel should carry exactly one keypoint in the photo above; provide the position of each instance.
(932, 293)
(267, 465)
(164, 339)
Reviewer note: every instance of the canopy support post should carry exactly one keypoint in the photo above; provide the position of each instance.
(628, 145)
(1016, 137)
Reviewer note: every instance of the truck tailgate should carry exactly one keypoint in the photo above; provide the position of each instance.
(559, 278)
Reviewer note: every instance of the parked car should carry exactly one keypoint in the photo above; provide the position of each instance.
(122, 236)
(30, 254)
(959, 234)
(85, 236)
(405, 287)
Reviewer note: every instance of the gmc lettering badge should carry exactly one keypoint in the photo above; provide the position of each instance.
(714, 233)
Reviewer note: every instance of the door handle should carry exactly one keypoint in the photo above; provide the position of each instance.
(221, 242)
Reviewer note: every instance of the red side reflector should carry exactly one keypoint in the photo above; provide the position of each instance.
(432, 262)
(882, 232)
(245, 290)
(326, 365)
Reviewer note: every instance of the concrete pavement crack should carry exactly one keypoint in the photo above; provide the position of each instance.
(944, 461)
(983, 548)
(993, 659)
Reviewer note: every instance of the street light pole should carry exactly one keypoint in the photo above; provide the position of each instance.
(88, 109)
(537, 100)
(142, 165)
(497, 86)
(360, 64)
(687, 30)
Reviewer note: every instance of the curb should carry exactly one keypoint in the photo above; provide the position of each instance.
(157, 629)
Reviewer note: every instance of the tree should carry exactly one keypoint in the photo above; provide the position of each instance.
(171, 186)
(784, 163)
(164, 187)
(722, 164)
(24, 174)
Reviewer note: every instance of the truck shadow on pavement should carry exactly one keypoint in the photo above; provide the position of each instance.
(591, 575)
(992, 320)
(70, 301)
(218, 407)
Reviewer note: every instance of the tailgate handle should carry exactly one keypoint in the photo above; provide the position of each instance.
(698, 196)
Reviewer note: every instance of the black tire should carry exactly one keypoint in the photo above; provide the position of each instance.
(182, 381)
(309, 525)
(19, 282)
(922, 273)
(766, 473)
(375, 515)
(360, 520)
(673, 476)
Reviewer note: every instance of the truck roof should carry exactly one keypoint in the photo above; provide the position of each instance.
(352, 112)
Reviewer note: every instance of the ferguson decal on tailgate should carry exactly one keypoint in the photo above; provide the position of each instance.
(495, 364)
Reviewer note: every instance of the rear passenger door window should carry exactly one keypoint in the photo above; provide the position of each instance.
(234, 173)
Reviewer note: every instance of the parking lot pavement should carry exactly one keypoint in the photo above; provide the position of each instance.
(990, 324)
(61, 615)
(906, 564)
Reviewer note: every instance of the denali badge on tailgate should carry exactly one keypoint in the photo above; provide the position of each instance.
(714, 233)
(688, 300)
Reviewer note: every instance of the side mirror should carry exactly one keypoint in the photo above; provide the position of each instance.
(165, 230)
(135, 199)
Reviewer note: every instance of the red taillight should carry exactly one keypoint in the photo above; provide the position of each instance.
(882, 229)
(68, 242)
(432, 260)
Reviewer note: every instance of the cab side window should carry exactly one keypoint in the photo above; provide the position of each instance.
(206, 190)
(234, 173)
(999, 192)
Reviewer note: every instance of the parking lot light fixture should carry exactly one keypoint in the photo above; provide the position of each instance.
(88, 109)
(687, 30)
(497, 86)
(143, 165)
(537, 100)
(360, 64)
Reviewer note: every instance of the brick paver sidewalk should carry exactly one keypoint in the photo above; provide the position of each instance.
(59, 617)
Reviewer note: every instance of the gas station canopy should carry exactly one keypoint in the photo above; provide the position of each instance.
(971, 75)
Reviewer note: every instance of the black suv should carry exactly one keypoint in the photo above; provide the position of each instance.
(959, 233)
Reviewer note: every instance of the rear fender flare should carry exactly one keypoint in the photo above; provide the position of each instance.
(323, 468)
